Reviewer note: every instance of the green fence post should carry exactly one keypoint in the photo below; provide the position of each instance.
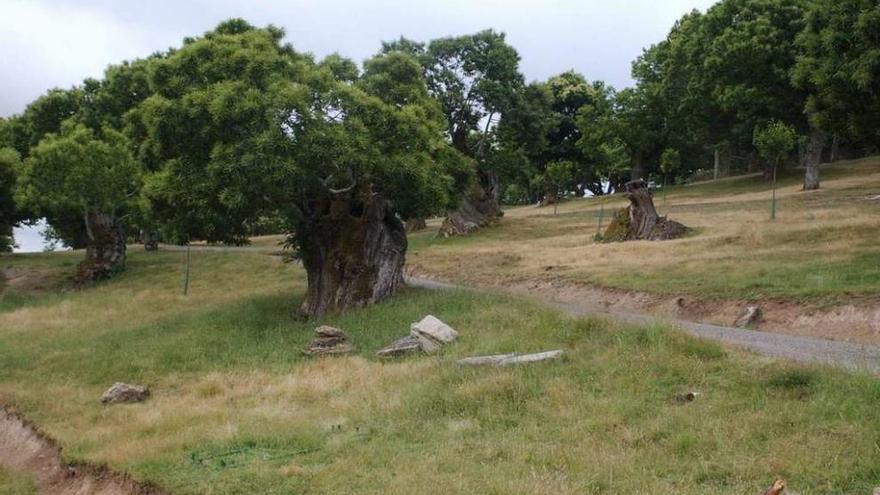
(186, 273)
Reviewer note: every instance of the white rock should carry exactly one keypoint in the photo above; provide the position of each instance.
(509, 359)
(432, 333)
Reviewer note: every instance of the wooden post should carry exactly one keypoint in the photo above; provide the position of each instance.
(773, 198)
(601, 214)
(186, 273)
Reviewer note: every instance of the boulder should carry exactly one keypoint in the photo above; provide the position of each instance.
(749, 318)
(124, 392)
(329, 340)
(400, 347)
(432, 333)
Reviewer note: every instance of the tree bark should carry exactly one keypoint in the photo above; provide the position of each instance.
(717, 164)
(640, 221)
(353, 249)
(105, 250)
(478, 208)
(416, 224)
(638, 168)
(812, 159)
(835, 148)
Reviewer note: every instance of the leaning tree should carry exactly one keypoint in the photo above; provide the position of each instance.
(93, 175)
(242, 124)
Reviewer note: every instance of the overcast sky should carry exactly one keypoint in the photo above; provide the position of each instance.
(57, 43)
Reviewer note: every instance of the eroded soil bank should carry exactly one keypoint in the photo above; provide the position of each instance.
(24, 449)
(858, 321)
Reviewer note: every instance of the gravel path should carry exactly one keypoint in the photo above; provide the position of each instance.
(856, 357)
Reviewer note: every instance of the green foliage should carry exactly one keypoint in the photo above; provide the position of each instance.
(774, 141)
(839, 67)
(242, 126)
(670, 161)
(9, 212)
(79, 172)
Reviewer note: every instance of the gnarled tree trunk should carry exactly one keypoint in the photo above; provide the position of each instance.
(105, 250)
(478, 208)
(640, 221)
(353, 251)
(416, 224)
(813, 157)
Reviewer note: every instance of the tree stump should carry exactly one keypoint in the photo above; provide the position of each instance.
(416, 224)
(640, 221)
(478, 208)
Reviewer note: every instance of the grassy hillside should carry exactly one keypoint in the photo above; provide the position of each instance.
(822, 248)
(237, 408)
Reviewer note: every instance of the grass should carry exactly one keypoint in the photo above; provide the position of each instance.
(16, 484)
(821, 249)
(237, 407)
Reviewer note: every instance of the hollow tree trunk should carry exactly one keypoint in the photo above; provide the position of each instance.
(478, 208)
(812, 158)
(105, 248)
(416, 224)
(353, 251)
(640, 221)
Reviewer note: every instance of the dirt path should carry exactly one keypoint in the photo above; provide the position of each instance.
(857, 357)
(25, 450)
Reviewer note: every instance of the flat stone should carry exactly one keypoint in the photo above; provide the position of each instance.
(432, 333)
(400, 347)
(327, 331)
(510, 359)
(124, 392)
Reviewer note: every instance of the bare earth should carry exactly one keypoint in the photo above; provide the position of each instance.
(25, 450)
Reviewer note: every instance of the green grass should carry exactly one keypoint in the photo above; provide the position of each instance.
(16, 484)
(238, 408)
(822, 248)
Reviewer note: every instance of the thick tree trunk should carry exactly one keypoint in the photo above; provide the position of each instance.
(150, 239)
(353, 252)
(812, 159)
(105, 251)
(478, 208)
(416, 224)
(638, 168)
(640, 221)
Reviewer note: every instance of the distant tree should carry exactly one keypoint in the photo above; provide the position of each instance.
(557, 175)
(475, 78)
(670, 162)
(838, 69)
(241, 125)
(774, 142)
(9, 213)
(89, 174)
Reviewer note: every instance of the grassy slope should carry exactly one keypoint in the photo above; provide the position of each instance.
(238, 409)
(822, 248)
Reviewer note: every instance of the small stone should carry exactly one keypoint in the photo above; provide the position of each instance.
(327, 331)
(124, 392)
(750, 317)
(400, 347)
(686, 397)
(432, 333)
(329, 340)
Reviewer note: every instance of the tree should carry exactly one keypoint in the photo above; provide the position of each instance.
(93, 175)
(475, 78)
(670, 162)
(242, 124)
(557, 175)
(774, 142)
(9, 214)
(838, 70)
